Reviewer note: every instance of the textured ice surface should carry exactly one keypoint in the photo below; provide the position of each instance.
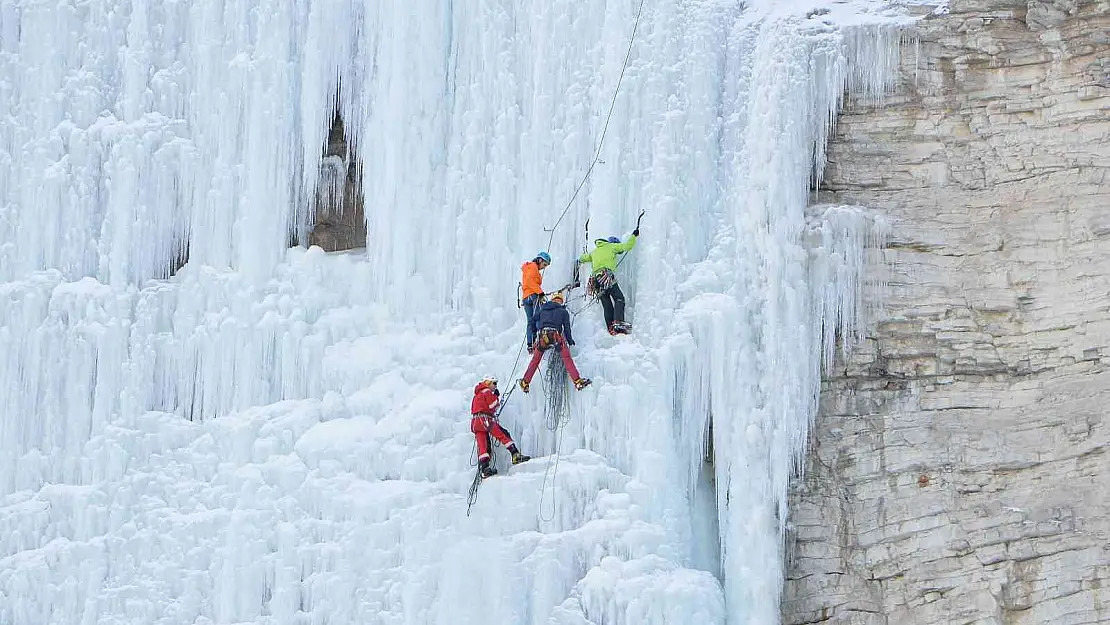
(280, 436)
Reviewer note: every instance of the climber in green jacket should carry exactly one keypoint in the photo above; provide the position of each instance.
(603, 279)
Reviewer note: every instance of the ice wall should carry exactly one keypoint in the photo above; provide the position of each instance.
(280, 436)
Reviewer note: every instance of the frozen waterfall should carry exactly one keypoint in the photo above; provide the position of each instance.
(276, 435)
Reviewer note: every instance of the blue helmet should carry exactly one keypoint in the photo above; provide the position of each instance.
(544, 256)
(614, 239)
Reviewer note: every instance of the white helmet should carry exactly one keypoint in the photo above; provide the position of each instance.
(490, 380)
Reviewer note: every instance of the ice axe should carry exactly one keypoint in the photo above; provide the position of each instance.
(575, 280)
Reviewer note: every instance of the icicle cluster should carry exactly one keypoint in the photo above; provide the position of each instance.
(280, 436)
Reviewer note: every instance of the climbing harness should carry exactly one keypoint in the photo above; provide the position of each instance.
(601, 282)
(472, 497)
(546, 338)
(591, 295)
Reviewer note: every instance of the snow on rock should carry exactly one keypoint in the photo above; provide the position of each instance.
(281, 436)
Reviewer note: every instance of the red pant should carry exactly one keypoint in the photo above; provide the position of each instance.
(483, 425)
(564, 350)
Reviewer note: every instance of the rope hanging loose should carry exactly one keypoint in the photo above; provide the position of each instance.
(556, 392)
(604, 127)
(553, 470)
(557, 416)
(472, 494)
(589, 170)
(560, 420)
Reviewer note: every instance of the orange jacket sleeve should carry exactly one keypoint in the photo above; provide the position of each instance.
(531, 280)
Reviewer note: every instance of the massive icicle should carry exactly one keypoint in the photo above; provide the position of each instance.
(280, 436)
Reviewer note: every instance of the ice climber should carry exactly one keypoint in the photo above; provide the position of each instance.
(603, 279)
(532, 292)
(483, 422)
(553, 329)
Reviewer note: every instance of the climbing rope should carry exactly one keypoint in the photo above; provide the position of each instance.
(472, 494)
(512, 380)
(556, 417)
(552, 469)
(593, 300)
(560, 420)
(557, 393)
(604, 127)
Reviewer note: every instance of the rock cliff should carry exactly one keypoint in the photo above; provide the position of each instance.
(339, 221)
(959, 469)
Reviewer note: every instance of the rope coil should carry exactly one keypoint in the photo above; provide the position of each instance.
(559, 414)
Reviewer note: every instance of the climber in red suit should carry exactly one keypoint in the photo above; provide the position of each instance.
(483, 423)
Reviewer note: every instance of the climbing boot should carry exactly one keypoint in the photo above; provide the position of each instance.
(613, 329)
(486, 469)
(517, 456)
(523, 384)
(581, 383)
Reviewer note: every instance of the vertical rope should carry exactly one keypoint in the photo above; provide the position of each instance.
(552, 469)
(604, 127)
(559, 410)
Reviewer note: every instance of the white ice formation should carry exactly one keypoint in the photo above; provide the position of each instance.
(274, 435)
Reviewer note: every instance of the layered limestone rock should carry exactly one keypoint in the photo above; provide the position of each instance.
(959, 470)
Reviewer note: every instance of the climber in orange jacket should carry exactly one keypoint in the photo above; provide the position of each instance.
(483, 423)
(531, 282)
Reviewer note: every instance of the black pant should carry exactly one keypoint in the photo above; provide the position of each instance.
(612, 301)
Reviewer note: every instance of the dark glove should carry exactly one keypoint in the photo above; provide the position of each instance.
(636, 232)
(496, 393)
(570, 342)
